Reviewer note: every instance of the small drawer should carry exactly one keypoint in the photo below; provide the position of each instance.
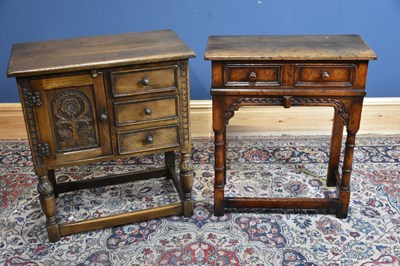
(145, 80)
(143, 111)
(324, 75)
(148, 139)
(252, 75)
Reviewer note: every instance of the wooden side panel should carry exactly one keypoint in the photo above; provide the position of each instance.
(360, 77)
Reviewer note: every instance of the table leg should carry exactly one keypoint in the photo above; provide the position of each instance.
(48, 203)
(186, 177)
(219, 173)
(220, 157)
(224, 154)
(344, 187)
(352, 127)
(336, 145)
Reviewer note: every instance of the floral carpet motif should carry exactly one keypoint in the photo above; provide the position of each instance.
(257, 166)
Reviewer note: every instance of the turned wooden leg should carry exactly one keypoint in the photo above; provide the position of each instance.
(336, 145)
(170, 163)
(344, 187)
(219, 173)
(186, 177)
(52, 178)
(48, 203)
(224, 154)
(219, 128)
(352, 127)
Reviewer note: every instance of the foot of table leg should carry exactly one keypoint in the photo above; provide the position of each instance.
(334, 154)
(342, 210)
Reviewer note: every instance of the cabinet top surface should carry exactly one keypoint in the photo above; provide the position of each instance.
(288, 47)
(76, 54)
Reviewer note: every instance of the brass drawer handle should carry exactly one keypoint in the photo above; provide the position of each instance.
(325, 75)
(145, 81)
(252, 76)
(149, 139)
(147, 111)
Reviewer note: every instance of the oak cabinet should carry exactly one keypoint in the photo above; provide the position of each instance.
(103, 98)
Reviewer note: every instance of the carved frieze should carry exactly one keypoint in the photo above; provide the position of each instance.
(287, 102)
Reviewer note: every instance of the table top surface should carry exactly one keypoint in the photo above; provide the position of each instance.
(76, 54)
(288, 47)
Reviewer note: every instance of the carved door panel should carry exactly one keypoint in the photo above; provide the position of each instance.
(72, 119)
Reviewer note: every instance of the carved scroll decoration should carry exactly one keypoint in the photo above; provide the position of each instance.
(73, 120)
(335, 103)
(249, 101)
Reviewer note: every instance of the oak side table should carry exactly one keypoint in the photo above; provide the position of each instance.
(102, 98)
(290, 71)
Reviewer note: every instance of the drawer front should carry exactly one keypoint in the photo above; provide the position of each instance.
(323, 75)
(143, 111)
(148, 139)
(252, 75)
(145, 80)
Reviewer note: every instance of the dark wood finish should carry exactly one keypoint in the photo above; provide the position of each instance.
(141, 81)
(288, 47)
(154, 109)
(289, 71)
(102, 98)
(96, 52)
(147, 139)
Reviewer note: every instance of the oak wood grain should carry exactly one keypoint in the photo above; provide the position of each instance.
(304, 47)
(75, 54)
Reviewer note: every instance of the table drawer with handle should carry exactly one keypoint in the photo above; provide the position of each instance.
(144, 80)
(324, 75)
(148, 139)
(252, 74)
(148, 110)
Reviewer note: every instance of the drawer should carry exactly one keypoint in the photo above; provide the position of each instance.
(144, 80)
(143, 111)
(148, 139)
(252, 75)
(323, 75)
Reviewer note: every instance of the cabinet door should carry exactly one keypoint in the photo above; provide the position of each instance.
(72, 119)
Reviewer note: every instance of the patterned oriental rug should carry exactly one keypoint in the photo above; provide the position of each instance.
(274, 166)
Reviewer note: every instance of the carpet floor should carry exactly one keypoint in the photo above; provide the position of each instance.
(257, 166)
